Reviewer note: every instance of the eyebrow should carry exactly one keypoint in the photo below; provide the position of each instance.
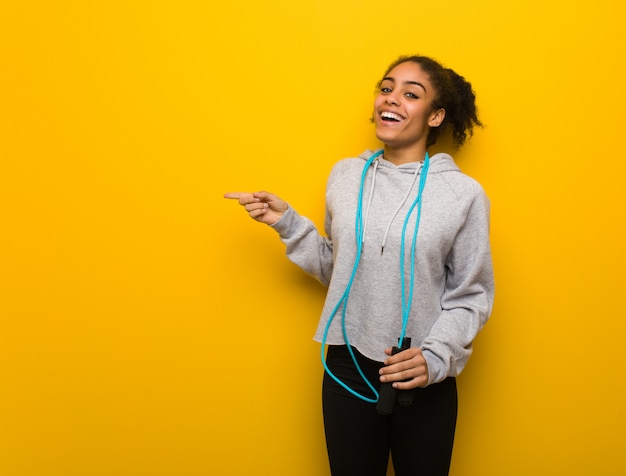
(416, 83)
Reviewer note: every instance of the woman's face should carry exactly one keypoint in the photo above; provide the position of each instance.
(403, 111)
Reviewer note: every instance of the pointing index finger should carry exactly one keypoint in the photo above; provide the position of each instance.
(233, 195)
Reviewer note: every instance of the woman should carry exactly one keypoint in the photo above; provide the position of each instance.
(406, 255)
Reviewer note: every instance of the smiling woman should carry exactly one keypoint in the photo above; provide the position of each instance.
(404, 111)
(433, 98)
(421, 249)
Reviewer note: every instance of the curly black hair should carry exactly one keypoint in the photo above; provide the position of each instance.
(453, 94)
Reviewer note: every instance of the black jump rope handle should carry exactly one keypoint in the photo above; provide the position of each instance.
(388, 395)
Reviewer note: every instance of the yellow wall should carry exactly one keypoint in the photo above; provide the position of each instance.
(147, 327)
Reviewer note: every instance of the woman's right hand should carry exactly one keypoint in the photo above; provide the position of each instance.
(263, 207)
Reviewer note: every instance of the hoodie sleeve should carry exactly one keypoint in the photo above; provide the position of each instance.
(305, 246)
(467, 299)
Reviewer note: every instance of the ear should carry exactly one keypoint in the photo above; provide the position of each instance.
(436, 117)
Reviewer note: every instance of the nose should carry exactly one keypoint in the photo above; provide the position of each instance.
(392, 99)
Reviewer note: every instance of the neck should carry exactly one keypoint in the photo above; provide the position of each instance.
(405, 155)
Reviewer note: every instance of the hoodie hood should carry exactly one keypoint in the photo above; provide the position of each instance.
(440, 162)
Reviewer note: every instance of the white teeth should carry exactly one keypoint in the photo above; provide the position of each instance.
(391, 115)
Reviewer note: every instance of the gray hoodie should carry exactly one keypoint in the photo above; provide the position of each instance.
(453, 289)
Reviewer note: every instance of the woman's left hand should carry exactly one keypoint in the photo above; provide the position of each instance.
(409, 365)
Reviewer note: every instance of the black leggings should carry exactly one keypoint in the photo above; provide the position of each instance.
(419, 436)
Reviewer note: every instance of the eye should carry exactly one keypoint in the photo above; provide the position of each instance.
(385, 90)
(411, 95)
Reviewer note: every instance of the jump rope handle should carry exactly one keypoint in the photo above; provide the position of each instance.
(388, 394)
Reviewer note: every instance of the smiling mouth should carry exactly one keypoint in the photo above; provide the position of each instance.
(390, 117)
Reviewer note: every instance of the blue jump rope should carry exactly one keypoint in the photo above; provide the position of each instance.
(406, 299)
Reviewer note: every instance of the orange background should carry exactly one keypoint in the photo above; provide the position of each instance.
(147, 327)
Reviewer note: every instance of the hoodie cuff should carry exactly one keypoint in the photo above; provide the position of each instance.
(286, 222)
(436, 371)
